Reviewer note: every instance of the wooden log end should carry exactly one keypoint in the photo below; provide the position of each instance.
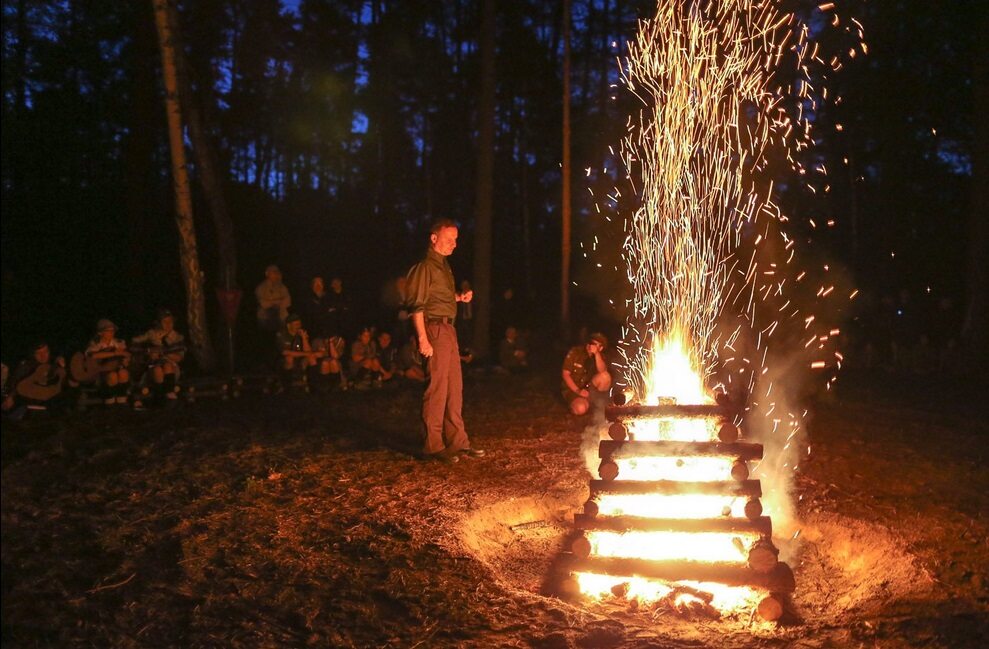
(608, 470)
(753, 509)
(771, 608)
(591, 508)
(581, 547)
(740, 470)
(763, 557)
(622, 396)
(728, 433)
(617, 431)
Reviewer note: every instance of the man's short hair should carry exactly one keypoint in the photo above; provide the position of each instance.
(439, 224)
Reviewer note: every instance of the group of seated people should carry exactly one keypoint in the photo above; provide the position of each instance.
(150, 362)
(311, 350)
(325, 361)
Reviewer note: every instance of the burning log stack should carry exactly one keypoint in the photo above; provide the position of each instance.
(674, 508)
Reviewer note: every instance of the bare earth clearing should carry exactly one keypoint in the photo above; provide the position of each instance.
(305, 520)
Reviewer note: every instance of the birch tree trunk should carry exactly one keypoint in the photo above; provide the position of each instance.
(210, 175)
(192, 274)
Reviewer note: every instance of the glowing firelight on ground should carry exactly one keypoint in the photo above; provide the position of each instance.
(712, 115)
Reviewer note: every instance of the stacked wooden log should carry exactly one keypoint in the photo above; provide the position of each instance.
(762, 570)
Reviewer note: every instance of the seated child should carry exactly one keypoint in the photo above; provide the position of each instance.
(107, 355)
(387, 356)
(38, 381)
(512, 354)
(365, 368)
(410, 361)
(298, 357)
(162, 350)
(333, 349)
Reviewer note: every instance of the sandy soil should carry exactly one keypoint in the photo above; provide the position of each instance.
(301, 520)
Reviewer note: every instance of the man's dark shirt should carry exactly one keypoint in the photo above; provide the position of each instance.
(431, 289)
(338, 322)
(388, 357)
(317, 317)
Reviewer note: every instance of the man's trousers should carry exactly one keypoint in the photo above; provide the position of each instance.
(443, 400)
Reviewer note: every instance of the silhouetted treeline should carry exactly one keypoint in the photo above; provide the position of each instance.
(344, 126)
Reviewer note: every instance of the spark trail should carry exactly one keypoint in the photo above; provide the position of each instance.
(713, 113)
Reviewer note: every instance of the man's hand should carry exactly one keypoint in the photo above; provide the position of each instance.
(425, 348)
(466, 296)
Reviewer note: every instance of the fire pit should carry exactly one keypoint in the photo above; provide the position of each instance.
(675, 515)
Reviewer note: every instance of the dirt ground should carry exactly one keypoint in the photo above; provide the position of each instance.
(300, 520)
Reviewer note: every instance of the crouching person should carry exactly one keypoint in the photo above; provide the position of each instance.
(512, 353)
(107, 356)
(163, 349)
(365, 368)
(585, 374)
(332, 350)
(298, 358)
(387, 356)
(410, 362)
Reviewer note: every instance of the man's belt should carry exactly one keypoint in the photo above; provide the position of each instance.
(440, 320)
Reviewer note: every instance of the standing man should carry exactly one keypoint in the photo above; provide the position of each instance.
(433, 301)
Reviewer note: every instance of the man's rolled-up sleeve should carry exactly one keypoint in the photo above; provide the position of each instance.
(417, 285)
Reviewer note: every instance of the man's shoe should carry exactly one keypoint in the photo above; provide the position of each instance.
(472, 452)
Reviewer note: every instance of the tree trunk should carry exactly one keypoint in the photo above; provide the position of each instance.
(192, 274)
(565, 179)
(526, 214)
(210, 175)
(485, 184)
(975, 329)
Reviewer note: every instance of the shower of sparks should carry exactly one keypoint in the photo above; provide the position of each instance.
(714, 114)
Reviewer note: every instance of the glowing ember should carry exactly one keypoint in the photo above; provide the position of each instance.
(663, 546)
(680, 506)
(650, 590)
(674, 468)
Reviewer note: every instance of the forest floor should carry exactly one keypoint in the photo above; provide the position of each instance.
(304, 520)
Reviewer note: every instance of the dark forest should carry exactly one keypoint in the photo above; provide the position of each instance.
(341, 128)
